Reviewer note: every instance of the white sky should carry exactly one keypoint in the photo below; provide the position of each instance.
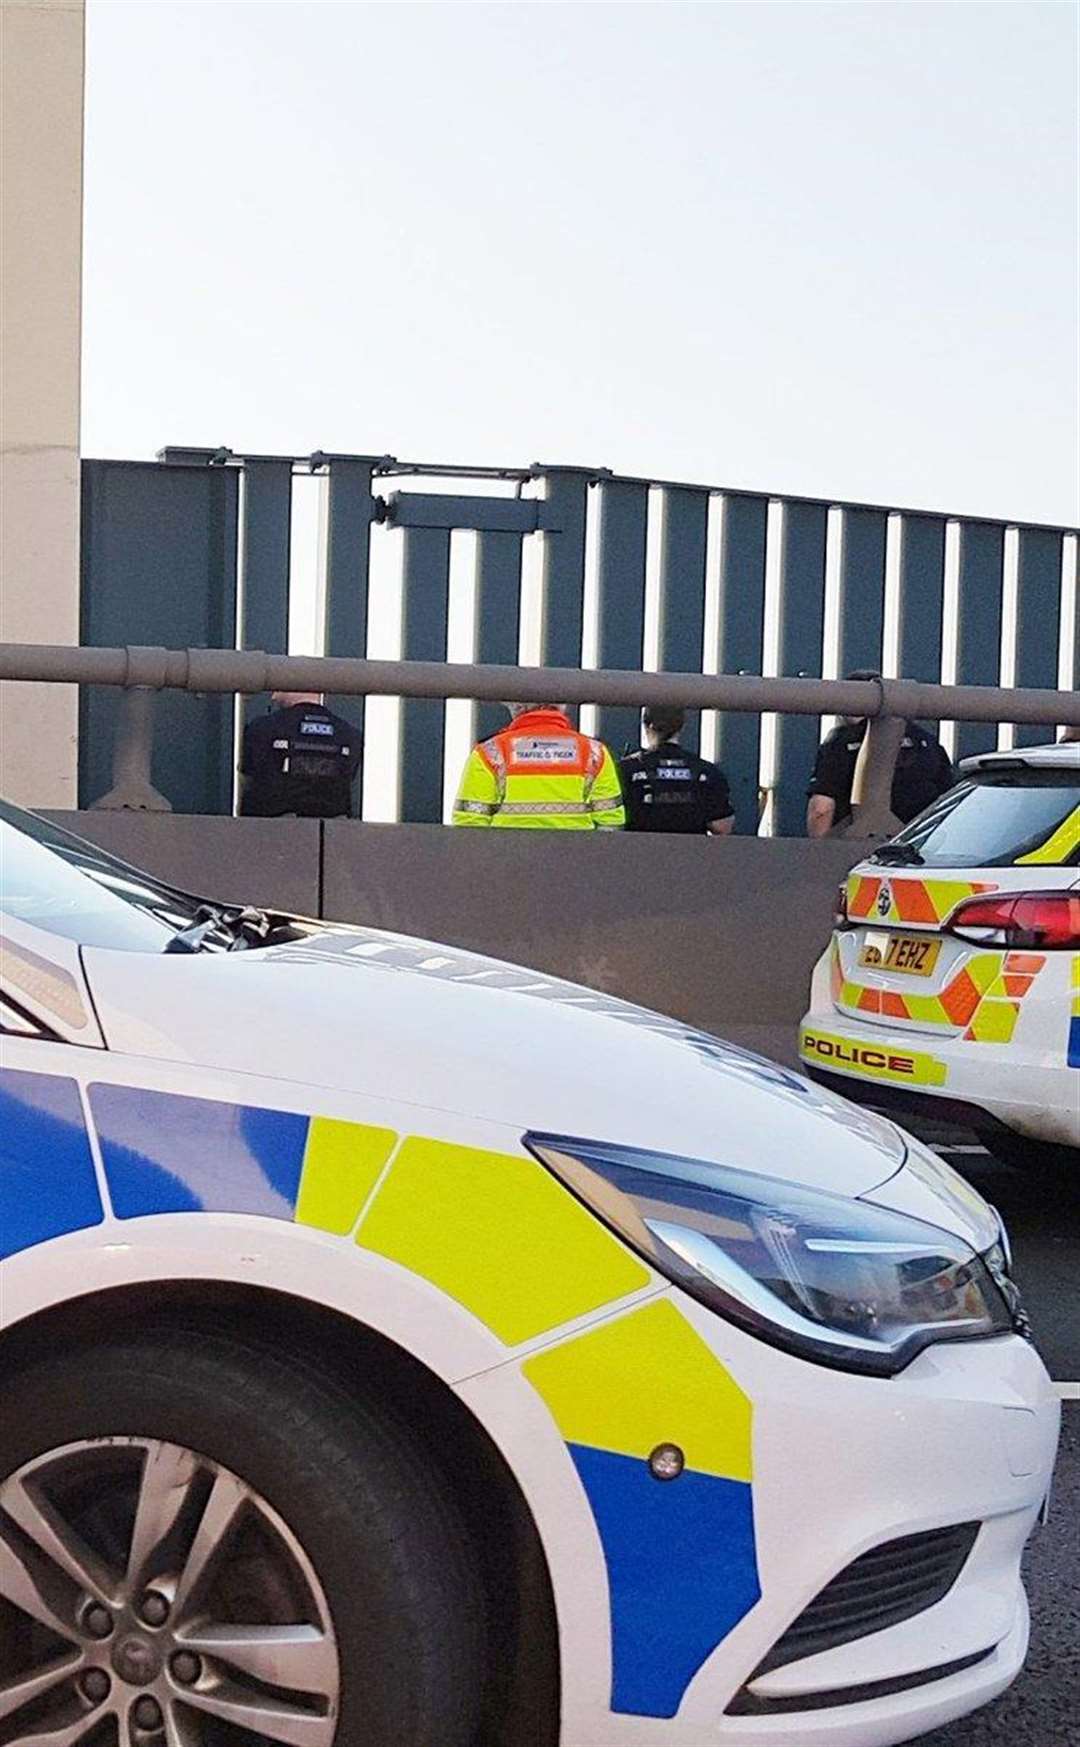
(828, 249)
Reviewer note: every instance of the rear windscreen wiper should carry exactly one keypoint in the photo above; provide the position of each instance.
(898, 855)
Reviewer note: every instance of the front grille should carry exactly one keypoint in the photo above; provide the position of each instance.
(888, 1584)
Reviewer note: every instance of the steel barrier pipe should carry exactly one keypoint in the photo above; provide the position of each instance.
(249, 671)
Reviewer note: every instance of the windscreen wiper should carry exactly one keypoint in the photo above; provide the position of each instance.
(898, 855)
(242, 925)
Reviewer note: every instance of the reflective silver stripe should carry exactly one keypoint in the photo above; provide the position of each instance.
(486, 808)
(523, 808)
(606, 804)
(491, 753)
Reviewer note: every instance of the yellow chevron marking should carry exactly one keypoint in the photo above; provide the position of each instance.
(994, 1022)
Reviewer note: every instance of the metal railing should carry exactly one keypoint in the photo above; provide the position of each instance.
(886, 703)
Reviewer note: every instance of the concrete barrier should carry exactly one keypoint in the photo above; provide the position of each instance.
(722, 933)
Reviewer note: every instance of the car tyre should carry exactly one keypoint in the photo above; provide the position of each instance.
(350, 1487)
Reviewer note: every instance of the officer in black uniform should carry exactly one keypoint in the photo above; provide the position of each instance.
(300, 758)
(923, 772)
(667, 788)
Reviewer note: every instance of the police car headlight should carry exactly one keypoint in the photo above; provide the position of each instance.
(832, 1279)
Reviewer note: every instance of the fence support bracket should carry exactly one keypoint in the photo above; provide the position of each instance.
(132, 754)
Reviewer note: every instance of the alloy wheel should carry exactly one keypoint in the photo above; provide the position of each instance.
(151, 1598)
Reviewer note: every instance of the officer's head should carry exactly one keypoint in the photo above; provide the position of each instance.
(860, 673)
(524, 709)
(286, 700)
(661, 722)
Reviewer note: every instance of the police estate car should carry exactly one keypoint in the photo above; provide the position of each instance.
(399, 1347)
(951, 984)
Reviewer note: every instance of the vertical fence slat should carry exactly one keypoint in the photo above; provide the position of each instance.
(1038, 617)
(563, 522)
(498, 614)
(802, 632)
(624, 510)
(350, 511)
(922, 594)
(682, 590)
(425, 623)
(978, 629)
(264, 575)
(862, 589)
(740, 648)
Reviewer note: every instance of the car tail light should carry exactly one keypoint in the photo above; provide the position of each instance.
(1039, 919)
(840, 915)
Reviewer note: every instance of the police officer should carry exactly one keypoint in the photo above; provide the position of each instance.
(923, 772)
(300, 758)
(668, 788)
(540, 774)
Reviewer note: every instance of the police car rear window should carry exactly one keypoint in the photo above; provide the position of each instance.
(999, 818)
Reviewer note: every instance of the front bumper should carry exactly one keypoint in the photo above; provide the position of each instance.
(841, 1464)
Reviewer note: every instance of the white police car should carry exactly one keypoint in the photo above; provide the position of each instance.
(401, 1347)
(951, 985)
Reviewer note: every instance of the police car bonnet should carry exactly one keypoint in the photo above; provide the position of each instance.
(388, 1017)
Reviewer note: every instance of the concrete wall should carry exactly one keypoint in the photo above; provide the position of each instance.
(722, 933)
(41, 146)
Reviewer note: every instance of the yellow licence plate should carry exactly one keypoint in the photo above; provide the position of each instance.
(911, 954)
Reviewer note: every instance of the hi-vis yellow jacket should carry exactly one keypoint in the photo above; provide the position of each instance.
(540, 773)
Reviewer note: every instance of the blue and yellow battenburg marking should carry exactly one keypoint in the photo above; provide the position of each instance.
(1074, 1022)
(680, 1554)
(499, 1236)
(48, 1185)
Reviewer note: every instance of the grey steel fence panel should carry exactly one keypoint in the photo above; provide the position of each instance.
(160, 562)
(1038, 614)
(501, 524)
(922, 596)
(498, 614)
(978, 627)
(159, 566)
(862, 589)
(624, 514)
(350, 511)
(425, 619)
(683, 549)
(740, 647)
(563, 520)
(801, 648)
(266, 541)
